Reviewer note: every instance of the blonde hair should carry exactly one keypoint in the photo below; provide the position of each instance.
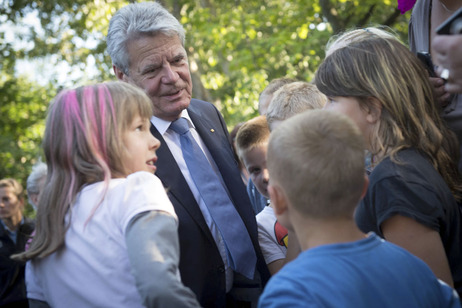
(18, 190)
(374, 68)
(317, 158)
(82, 145)
(293, 98)
(272, 87)
(251, 134)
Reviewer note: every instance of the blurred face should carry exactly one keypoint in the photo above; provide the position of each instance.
(140, 147)
(255, 162)
(159, 66)
(351, 107)
(34, 198)
(10, 205)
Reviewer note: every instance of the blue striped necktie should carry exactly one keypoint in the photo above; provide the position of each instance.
(241, 253)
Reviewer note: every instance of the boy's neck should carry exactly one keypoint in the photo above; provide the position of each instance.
(316, 232)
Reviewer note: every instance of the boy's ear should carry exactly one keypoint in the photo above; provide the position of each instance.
(375, 110)
(278, 199)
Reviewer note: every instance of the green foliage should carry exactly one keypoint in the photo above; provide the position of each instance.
(238, 47)
(22, 112)
(235, 49)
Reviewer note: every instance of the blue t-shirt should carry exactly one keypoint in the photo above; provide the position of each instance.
(362, 274)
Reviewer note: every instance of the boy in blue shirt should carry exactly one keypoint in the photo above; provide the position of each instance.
(316, 166)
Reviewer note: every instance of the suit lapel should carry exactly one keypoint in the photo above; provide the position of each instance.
(213, 138)
(172, 178)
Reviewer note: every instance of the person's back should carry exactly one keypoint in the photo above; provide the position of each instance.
(366, 273)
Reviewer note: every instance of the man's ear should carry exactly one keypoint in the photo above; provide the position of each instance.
(374, 111)
(119, 73)
(278, 199)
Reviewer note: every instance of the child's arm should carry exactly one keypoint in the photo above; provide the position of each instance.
(35, 303)
(421, 241)
(293, 249)
(153, 250)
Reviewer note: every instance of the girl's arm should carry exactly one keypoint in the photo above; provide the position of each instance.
(421, 241)
(153, 250)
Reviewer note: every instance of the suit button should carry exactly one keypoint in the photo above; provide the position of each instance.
(221, 269)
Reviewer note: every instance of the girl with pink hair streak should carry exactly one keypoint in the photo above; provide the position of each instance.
(106, 233)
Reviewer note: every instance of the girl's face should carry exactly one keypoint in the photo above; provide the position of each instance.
(140, 146)
(350, 107)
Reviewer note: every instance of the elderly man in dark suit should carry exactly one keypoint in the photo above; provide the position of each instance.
(220, 259)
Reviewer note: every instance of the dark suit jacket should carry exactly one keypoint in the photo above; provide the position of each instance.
(12, 285)
(201, 266)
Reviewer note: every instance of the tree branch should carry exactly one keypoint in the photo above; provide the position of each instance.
(367, 16)
(326, 10)
(392, 18)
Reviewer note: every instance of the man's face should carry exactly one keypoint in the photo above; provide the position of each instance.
(159, 66)
(10, 205)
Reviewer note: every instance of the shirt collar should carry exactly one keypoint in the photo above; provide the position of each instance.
(163, 125)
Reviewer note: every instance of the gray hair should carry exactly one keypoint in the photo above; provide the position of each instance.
(135, 20)
(39, 171)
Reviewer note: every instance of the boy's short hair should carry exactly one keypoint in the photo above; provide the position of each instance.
(272, 87)
(292, 99)
(317, 158)
(251, 134)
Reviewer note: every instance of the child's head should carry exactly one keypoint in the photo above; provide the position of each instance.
(85, 130)
(251, 143)
(393, 101)
(93, 133)
(316, 165)
(267, 94)
(292, 99)
(396, 99)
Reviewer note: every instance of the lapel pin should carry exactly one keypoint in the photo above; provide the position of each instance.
(212, 130)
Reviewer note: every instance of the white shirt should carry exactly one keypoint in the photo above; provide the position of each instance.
(173, 142)
(271, 249)
(93, 269)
